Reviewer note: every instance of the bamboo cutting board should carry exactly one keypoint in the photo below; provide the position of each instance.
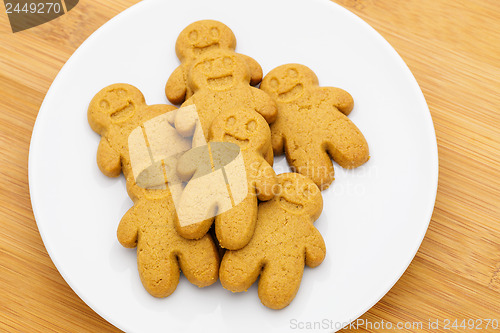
(452, 48)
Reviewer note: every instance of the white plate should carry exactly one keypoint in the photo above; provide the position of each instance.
(374, 217)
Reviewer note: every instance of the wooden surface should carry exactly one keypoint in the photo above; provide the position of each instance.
(452, 48)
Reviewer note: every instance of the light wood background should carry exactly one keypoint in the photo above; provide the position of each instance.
(453, 49)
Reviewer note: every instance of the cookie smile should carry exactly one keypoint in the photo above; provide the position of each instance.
(233, 139)
(290, 206)
(198, 50)
(123, 113)
(221, 81)
(292, 93)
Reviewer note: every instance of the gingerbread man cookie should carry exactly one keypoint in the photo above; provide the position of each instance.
(121, 116)
(195, 40)
(284, 240)
(220, 82)
(161, 252)
(114, 113)
(312, 124)
(234, 227)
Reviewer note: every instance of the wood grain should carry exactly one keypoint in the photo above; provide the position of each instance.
(452, 48)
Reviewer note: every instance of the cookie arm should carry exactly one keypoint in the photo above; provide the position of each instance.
(254, 67)
(186, 119)
(194, 163)
(264, 105)
(187, 123)
(127, 229)
(108, 159)
(265, 182)
(315, 247)
(186, 166)
(175, 89)
(337, 97)
(277, 139)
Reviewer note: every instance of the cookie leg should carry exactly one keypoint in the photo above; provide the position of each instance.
(346, 144)
(195, 230)
(280, 281)
(311, 161)
(240, 269)
(234, 228)
(158, 268)
(202, 197)
(199, 261)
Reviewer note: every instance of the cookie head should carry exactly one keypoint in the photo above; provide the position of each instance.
(287, 83)
(218, 70)
(248, 129)
(299, 195)
(114, 104)
(202, 36)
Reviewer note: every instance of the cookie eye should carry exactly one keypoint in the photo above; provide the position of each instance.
(251, 125)
(119, 92)
(207, 66)
(309, 191)
(227, 61)
(288, 186)
(306, 191)
(292, 72)
(230, 121)
(193, 36)
(104, 104)
(215, 33)
(274, 83)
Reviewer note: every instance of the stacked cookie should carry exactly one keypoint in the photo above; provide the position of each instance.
(206, 198)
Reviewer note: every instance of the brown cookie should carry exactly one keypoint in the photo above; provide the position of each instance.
(284, 240)
(114, 113)
(312, 124)
(195, 40)
(234, 227)
(220, 82)
(161, 251)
